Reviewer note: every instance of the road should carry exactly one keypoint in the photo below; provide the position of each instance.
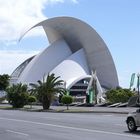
(22, 125)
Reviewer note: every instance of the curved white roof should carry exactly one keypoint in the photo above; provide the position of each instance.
(77, 34)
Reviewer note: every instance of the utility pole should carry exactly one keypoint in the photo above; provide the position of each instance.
(138, 83)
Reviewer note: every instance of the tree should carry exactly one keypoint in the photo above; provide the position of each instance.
(4, 81)
(67, 99)
(31, 99)
(46, 89)
(119, 95)
(17, 95)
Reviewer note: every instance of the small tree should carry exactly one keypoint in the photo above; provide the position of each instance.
(17, 95)
(4, 81)
(67, 99)
(31, 99)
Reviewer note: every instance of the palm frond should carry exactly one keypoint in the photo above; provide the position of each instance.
(33, 85)
(40, 82)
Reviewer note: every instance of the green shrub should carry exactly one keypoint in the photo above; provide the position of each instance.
(31, 99)
(2, 99)
(67, 99)
(17, 95)
(119, 95)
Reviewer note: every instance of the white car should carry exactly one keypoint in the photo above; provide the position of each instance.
(133, 120)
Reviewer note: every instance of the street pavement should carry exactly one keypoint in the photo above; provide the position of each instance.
(24, 125)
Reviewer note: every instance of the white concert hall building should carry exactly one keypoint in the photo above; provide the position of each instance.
(75, 50)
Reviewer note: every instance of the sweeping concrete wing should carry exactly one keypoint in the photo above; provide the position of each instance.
(74, 67)
(68, 35)
(45, 62)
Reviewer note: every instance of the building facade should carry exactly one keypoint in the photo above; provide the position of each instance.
(75, 50)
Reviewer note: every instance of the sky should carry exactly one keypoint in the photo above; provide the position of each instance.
(116, 21)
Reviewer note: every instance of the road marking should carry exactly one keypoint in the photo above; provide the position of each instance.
(50, 118)
(107, 115)
(15, 132)
(73, 128)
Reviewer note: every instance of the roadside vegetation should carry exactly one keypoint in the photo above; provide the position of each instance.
(119, 95)
(17, 95)
(31, 99)
(4, 81)
(46, 90)
(67, 100)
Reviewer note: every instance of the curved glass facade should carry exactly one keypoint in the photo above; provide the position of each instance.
(17, 72)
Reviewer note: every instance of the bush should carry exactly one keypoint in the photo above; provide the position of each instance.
(17, 95)
(119, 95)
(2, 99)
(67, 99)
(31, 99)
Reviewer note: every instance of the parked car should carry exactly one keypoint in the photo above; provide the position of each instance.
(133, 120)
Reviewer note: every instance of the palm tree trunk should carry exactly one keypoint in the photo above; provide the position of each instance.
(46, 103)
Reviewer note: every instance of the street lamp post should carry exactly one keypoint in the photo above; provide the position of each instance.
(138, 83)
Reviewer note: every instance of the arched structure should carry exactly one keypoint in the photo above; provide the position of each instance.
(75, 50)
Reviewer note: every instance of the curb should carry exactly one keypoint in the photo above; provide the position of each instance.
(73, 111)
(67, 111)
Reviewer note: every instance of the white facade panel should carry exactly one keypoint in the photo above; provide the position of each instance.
(44, 62)
(72, 68)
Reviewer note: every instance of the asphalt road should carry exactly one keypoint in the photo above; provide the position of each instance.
(22, 125)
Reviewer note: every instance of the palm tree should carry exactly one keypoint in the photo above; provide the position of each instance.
(47, 88)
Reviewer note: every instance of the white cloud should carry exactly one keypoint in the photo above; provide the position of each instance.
(75, 1)
(16, 16)
(12, 59)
